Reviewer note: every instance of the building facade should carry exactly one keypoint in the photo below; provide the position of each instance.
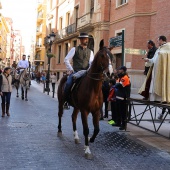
(73, 17)
(18, 49)
(4, 31)
(40, 52)
(9, 58)
(103, 19)
(141, 21)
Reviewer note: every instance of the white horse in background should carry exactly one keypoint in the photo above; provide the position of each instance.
(23, 79)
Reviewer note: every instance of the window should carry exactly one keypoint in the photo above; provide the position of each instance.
(61, 23)
(49, 28)
(66, 49)
(51, 4)
(76, 11)
(120, 2)
(68, 19)
(59, 54)
(92, 8)
(74, 43)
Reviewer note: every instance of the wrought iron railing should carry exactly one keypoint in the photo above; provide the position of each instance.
(66, 31)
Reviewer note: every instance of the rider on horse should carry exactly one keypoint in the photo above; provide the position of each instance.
(22, 64)
(82, 58)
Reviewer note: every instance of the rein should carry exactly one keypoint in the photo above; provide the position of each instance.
(97, 79)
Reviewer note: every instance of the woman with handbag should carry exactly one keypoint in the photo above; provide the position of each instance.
(5, 90)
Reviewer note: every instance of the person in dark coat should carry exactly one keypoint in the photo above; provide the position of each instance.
(122, 91)
(152, 49)
(105, 90)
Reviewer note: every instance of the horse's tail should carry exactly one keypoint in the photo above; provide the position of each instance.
(60, 94)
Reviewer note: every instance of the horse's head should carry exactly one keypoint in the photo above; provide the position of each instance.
(27, 75)
(101, 59)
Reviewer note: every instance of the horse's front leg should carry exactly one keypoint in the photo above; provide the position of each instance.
(96, 118)
(26, 94)
(17, 92)
(22, 93)
(17, 87)
(74, 118)
(60, 113)
(84, 115)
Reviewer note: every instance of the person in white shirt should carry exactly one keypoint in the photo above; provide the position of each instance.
(53, 78)
(22, 64)
(82, 58)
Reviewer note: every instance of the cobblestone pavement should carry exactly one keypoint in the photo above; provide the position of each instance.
(29, 141)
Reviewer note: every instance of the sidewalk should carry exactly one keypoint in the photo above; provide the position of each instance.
(133, 131)
(40, 87)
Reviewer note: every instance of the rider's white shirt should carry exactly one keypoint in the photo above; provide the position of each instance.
(70, 55)
(23, 63)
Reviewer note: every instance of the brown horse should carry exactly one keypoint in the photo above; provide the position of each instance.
(86, 98)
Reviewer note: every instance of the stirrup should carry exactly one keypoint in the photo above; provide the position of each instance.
(66, 106)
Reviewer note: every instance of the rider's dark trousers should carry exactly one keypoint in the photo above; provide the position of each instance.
(68, 87)
(6, 97)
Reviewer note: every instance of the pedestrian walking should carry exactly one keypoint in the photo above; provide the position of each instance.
(53, 81)
(43, 78)
(5, 90)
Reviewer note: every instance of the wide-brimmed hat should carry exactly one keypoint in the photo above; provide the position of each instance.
(83, 35)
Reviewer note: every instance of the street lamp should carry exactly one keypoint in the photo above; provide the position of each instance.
(50, 39)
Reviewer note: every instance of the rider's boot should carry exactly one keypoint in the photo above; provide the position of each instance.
(3, 109)
(7, 109)
(66, 105)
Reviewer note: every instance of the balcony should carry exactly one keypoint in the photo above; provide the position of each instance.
(38, 47)
(85, 20)
(39, 32)
(39, 18)
(38, 60)
(37, 57)
(66, 31)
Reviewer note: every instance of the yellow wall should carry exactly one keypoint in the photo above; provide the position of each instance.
(41, 31)
(4, 30)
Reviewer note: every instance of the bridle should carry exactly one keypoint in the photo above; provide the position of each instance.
(103, 73)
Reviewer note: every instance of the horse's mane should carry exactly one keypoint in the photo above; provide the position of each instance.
(99, 54)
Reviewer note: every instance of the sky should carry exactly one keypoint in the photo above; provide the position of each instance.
(23, 14)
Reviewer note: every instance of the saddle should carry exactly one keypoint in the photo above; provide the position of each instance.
(74, 88)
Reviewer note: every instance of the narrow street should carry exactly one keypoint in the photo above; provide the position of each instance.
(29, 141)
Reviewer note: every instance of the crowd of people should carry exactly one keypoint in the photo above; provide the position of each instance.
(156, 85)
(116, 90)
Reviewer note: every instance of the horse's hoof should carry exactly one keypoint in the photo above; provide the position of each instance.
(88, 156)
(77, 141)
(91, 140)
(59, 134)
(26, 99)
(17, 96)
